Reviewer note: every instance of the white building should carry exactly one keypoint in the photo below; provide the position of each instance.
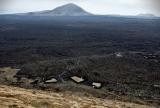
(52, 80)
(96, 85)
(77, 79)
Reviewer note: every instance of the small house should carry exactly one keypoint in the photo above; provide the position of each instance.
(118, 55)
(52, 80)
(77, 79)
(96, 85)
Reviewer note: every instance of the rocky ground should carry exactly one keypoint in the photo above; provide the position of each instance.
(68, 94)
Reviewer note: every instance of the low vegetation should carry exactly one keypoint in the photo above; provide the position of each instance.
(121, 53)
(128, 75)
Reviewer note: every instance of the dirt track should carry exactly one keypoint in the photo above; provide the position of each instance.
(13, 97)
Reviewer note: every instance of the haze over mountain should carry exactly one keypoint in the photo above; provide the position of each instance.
(64, 10)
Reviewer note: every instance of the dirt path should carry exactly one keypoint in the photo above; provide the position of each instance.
(13, 97)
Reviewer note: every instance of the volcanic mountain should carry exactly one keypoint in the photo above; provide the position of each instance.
(64, 10)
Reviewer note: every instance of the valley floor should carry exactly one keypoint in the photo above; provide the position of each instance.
(14, 97)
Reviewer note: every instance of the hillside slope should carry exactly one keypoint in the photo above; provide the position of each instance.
(13, 97)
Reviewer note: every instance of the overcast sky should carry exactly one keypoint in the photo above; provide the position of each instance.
(123, 7)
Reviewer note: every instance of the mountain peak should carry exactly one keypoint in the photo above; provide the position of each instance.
(70, 9)
(71, 5)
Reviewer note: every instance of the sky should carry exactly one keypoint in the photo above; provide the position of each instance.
(102, 7)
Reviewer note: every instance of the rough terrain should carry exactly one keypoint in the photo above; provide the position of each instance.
(14, 97)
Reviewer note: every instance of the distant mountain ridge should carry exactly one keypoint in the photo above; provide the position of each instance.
(72, 9)
(64, 10)
(146, 15)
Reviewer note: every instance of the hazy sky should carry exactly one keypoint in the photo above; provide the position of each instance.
(123, 7)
